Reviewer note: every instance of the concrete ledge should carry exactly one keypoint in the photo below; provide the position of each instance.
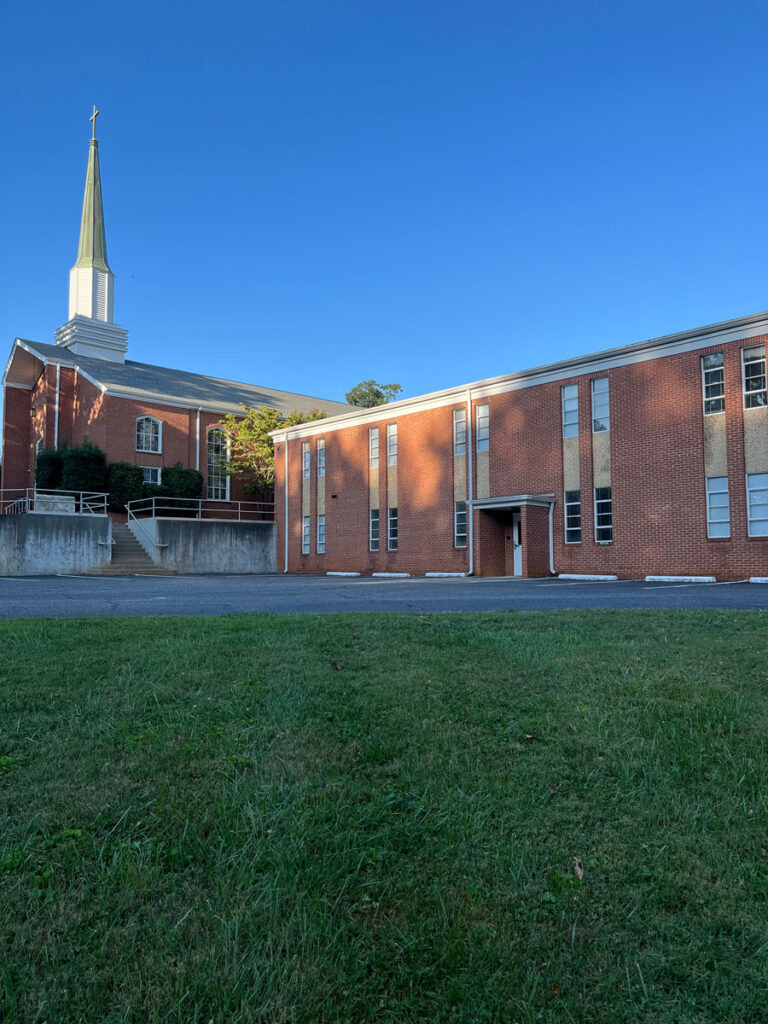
(54, 542)
(434, 575)
(587, 578)
(680, 579)
(758, 579)
(392, 575)
(342, 574)
(208, 545)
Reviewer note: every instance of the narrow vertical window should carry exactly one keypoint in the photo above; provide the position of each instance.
(570, 400)
(218, 456)
(305, 535)
(306, 460)
(713, 383)
(718, 507)
(753, 367)
(757, 504)
(482, 427)
(321, 456)
(392, 529)
(373, 448)
(603, 515)
(373, 529)
(460, 524)
(391, 444)
(601, 418)
(321, 535)
(573, 517)
(459, 431)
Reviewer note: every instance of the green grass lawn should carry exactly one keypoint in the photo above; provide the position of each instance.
(385, 818)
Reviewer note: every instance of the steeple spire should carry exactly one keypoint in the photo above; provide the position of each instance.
(91, 329)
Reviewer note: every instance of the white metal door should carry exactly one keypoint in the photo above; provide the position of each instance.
(517, 545)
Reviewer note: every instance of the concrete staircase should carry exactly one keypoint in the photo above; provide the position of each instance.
(129, 558)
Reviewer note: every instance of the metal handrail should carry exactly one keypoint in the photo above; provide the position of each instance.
(201, 508)
(25, 499)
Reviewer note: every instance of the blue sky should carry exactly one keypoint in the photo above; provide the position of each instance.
(307, 194)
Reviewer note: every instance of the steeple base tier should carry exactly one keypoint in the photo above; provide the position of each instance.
(86, 337)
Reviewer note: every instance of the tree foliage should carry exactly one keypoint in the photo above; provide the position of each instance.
(368, 394)
(251, 449)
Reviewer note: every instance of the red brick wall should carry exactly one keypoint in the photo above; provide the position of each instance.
(16, 439)
(657, 479)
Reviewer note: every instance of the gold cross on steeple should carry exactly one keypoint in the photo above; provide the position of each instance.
(93, 117)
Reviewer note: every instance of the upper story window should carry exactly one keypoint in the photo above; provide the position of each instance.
(753, 365)
(321, 456)
(306, 460)
(218, 456)
(373, 448)
(570, 398)
(459, 431)
(713, 382)
(601, 418)
(391, 444)
(482, 418)
(148, 434)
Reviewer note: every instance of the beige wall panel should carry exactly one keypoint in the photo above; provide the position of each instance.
(321, 495)
(305, 498)
(483, 475)
(571, 478)
(391, 486)
(601, 459)
(715, 454)
(459, 478)
(756, 440)
(373, 488)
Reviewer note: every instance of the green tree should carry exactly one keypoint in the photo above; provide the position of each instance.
(251, 450)
(368, 394)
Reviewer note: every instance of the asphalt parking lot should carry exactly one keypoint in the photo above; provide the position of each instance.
(90, 596)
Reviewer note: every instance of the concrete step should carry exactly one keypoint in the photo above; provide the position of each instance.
(129, 558)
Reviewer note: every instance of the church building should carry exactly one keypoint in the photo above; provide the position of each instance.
(82, 387)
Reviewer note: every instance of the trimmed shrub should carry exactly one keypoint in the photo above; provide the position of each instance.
(125, 482)
(182, 483)
(48, 468)
(83, 468)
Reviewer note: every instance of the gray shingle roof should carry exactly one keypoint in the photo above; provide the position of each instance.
(145, 382)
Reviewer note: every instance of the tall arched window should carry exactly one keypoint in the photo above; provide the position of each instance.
(148, 434)
(218, 456)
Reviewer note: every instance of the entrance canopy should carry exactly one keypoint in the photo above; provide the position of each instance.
(514, 501)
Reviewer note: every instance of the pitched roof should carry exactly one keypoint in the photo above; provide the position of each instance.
(161, 384)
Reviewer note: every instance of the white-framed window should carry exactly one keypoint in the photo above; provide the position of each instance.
(373, 448)
(603, 515)
(321, 534)
(753, 371)
(573, 517)
(601, 414)
(570, 400)
(391, 444)
(321, 456)
(148, 434)
(373, 529)
(460, 431)
(757, 504)
(306, 535)
(713, 383)
(152, 474)
(218, 456)
(482, 427)
(306, 460)
(392, 529)
(460, 524)
(718, 507)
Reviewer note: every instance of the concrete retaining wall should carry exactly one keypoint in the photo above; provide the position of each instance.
(208, 545)
(43, 545)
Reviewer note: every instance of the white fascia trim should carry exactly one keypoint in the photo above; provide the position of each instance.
(680, 579)
(587, 577)
(640, 352)
(61, 362)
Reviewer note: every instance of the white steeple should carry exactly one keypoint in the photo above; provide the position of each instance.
(90, 330)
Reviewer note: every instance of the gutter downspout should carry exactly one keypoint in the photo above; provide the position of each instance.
(551, 539)
(56, 413)
(470, 487)
(285, 488)
(197, 441)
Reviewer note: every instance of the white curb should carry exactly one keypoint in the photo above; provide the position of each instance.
(435, 574)
(342, 574)
(392, 575)
(680, 579)
(758, 579)
(587, 578)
